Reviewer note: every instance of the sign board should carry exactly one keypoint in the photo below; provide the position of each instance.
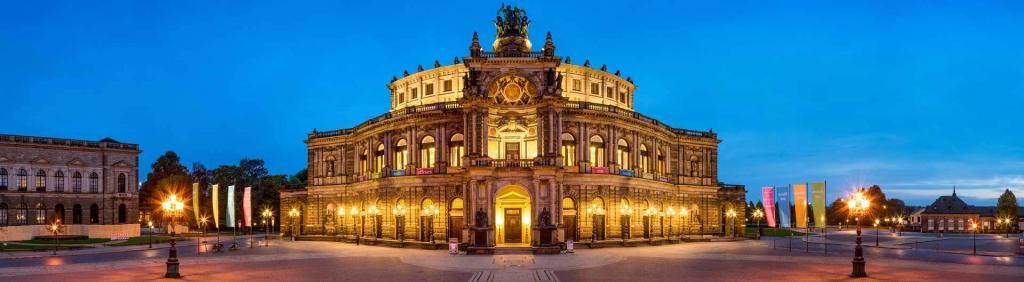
(453, 246)
(568, 246)
(397, 173)
(624, 172)
(422, 171)
(600, 170)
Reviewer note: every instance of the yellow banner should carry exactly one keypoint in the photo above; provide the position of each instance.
(800, 204)
(216, 213)
(195, 201)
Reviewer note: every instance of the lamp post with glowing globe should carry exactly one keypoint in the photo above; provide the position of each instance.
(292, 214)
(758, 214)
(172, 208)
(858, 205)
(731, 215)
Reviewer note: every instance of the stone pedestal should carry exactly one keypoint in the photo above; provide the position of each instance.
(481, 244)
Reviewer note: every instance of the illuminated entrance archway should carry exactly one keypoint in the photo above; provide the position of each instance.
(512, 215)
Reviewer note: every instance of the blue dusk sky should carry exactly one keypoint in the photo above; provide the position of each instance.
(916, 96)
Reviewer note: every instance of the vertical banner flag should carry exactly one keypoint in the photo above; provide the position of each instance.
(247, 206)
(818, 200)
(231, 206)
(768, 195)
(216, 207)
(800, 203)
(195, 201)
(782, 200)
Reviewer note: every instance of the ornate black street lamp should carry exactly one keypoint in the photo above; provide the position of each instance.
(55, 228)
(172, 208)
(858, 206)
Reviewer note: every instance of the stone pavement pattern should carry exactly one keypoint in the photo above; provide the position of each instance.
(326, 261)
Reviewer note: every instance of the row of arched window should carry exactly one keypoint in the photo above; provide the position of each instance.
(400, 154)
(22, 215)
(648, 163)
(21, 181)
(649, 160)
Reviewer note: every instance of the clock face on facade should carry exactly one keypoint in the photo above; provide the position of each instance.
(512, 90)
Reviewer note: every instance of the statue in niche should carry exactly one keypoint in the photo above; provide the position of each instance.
(481, 218)
(545, 217)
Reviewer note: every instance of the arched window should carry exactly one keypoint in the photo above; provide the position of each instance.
(568, 150)
(122, 214)
(21, 215)
(58, 212)
(3, 179)
(427, 151)
(364, 162)
(59, 177)
(76, 181)
(645, 159)
(22, 180)
(597, 157)
(41, 181)
(457, 147)
(94, 214)
(401, 157)
(122, 183)
(94, 183)
(427, 211)
(378, 158)
(3, 214)
(76, 214)
(40, 213)
(622, 154)
(660, 167)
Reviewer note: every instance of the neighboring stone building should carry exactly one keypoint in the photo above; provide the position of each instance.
(505, 141)
(952, 214)
(90, 186)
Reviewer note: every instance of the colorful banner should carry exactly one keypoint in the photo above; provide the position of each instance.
(216, 207)
(195, 201)
(800, 204)
(768, 196)
(231, 206)
(818, 200)
(782, 200)
(629, 173)
(247, 206)
(600, 170)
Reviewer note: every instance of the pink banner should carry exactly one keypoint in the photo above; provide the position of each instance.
(247, 206)
(768, 194)
(600, 170)
(422, 171)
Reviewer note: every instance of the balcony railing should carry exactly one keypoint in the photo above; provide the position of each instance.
(512, 54)
(65, 142)
(451, 105)
(635, 115)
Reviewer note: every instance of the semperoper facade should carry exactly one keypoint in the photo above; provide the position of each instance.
(512, 147)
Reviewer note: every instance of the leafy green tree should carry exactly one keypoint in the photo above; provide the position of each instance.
(167, 165)
(299, 179)
(1008, 207)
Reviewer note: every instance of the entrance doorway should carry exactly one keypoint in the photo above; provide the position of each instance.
(512, 215)
(512, 151)
(513, 226)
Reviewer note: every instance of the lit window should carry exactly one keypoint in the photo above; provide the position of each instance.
(448, 85)
(401, 154)
(577, 85)
(597, 151)
(645, 158)
(457, 148)
(568, 150)
(622, 154)
(22, 180)
(41, 181)
(427, 152)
